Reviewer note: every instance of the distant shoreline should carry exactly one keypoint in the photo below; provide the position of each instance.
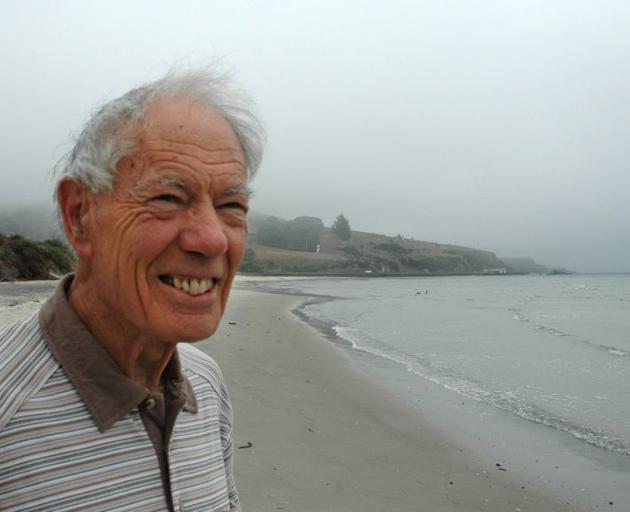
(396, 274)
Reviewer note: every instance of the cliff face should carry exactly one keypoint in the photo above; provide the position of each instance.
(24, 259)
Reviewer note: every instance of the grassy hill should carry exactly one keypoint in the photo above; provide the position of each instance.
(373, 254)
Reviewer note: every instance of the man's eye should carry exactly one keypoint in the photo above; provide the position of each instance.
(234, 205)
(169, 198)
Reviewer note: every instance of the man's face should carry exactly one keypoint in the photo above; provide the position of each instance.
(169, 238)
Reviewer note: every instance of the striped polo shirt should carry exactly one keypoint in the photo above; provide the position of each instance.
(56, 455)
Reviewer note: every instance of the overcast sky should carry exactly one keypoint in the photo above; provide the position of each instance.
(501, 125)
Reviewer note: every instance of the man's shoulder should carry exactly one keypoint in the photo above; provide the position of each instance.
(199, 363)
(25, 364)
(21, 342)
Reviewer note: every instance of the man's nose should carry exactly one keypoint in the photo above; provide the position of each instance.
(204, 233)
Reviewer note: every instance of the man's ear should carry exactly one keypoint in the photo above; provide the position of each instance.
(73, 197)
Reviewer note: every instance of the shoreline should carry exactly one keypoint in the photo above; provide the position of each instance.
(325, 437)
(370, 275)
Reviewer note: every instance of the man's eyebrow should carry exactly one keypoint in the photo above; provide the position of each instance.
(238, 190)
(143, 186)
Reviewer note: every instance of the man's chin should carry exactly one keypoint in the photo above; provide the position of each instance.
(173, 326)
(195, 333)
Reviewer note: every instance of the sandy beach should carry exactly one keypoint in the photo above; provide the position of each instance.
(314, 435)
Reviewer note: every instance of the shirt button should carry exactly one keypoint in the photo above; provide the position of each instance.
(149, 403)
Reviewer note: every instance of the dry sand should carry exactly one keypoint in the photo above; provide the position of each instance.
(325, 438)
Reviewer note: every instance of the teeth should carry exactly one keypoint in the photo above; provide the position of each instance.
(190, 286)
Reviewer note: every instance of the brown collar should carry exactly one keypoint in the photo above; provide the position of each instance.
(107, 392)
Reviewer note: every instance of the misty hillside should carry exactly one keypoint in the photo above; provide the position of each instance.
(280, 246)
(375, 254)
(525, 265)
(529, 266)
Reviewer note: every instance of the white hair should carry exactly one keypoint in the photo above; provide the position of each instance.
(108, 135)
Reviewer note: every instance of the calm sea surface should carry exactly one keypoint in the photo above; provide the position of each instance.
(554, 350)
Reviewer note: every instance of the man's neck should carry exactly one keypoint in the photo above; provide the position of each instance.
(141, 359)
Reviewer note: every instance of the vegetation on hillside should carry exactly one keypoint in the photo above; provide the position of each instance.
(299, 234)
(279, 246)
(341, 227)
(21, 258)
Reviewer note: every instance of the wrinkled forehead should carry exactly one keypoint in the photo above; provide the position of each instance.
(189, 124)
(182, 140)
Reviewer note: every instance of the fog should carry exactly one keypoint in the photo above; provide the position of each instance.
(500, 125)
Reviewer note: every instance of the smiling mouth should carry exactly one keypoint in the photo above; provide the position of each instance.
(189, 286)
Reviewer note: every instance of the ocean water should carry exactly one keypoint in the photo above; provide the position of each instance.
(548, 351)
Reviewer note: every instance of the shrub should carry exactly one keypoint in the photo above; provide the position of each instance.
(21, 258)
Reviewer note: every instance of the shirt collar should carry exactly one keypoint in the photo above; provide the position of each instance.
(107, 393)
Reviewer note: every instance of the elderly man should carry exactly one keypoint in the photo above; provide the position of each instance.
(101, 407)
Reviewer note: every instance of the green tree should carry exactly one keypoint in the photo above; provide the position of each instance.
(341, 227)
(299, 234)
(273, 233)
(303, 233)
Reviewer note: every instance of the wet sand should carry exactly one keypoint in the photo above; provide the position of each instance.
(313, 434)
